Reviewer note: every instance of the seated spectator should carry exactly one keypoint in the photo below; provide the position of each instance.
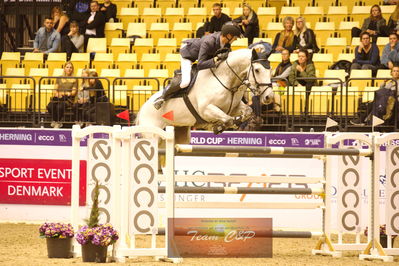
(82, 99)
(249, 23)
(287, 38)
(73, 42)
(64, 95)
(390, 56)
(390, 2)
(375, 24)
(303, 68)
(96, 94)
(95, 23)
(383, 104)
(109, 11)
(283, 69)
(61, 20)
(217, 20)
(366, 54)
(306, 38)
(78, 11)
(47, 38)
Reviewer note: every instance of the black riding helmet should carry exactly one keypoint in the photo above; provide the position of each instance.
(231, 29)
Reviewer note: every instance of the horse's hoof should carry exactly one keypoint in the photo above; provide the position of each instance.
(218, 129)
(158, 103)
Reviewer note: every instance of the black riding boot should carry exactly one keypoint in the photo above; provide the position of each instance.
(170, 89)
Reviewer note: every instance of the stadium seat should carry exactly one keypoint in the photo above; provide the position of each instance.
(334, 73)
(208, 4)
(360, 73)
(350, 107)
(57, 72)
(150, 61)
(121, 4)
(159, 30)
(109, 74)
(313, 14)
(297, 104)
(142, 4)
(20, 97)
(43, 96)
(32, 60)
(151, 15)
(102, 60)
(9, 59)
(368, 94)
(348, 57)
(55, 60)
(37, 73)
(164, 4)
(80, 60)
(233, 5)
(302, 3)
(140, 94)
(126, 61)
(18, 72)
(335, 46)
(172, 63)
(255, 4)
(322, 61)
(136, 30)
(381, 42)
(143, 46)
(97, 45)
(354, 43)
(337, 14)
(186, 4)
(266, 15)
(182, 30)
(240, 43)
(160, 74)
(273, 28)
(345, 27)
(382, 73)
(165, 46)
(359, 13)
(293, 11)
(113, 30)
(120, 96)
(386, 10)
(275, 59)
(268, 40)
(196, 14)
(174, 15)
(134, 73)
(324, 30)
(128, 15)
(320, 100)
(119, 45)
(237, 11)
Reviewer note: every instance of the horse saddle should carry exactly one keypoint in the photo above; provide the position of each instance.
(174, 90)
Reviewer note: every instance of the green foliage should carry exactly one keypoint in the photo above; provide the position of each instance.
(94, 214)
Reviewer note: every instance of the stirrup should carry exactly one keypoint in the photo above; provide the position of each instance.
(158, 103)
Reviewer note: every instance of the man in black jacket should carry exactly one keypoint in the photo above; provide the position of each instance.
(218, 19)
(109, 11)
(95, 23)
(203, 50)
(78, 10)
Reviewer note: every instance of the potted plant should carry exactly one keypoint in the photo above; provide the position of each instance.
(95, 237)
(58, 238)
(383, 235)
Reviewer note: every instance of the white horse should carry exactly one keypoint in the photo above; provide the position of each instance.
(216, 97)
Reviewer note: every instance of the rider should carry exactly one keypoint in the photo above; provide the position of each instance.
(202, 50)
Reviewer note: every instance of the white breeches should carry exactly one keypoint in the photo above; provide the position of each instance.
(185, 66)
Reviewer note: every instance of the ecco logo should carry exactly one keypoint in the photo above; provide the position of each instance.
(46, 138)
(277, 141)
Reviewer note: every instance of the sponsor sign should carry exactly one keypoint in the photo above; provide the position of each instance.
(220, 237)
(34, 181)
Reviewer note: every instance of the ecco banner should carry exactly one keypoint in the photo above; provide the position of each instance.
(392, 190)
(349, 192)
(143, 207)
(100, 170)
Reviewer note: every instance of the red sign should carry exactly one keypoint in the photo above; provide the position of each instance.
(38, 181)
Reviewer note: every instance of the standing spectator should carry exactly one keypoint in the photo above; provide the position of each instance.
(61, 20)
(95, 23)
(47, 38)
(109, 11)
(306, 38)
(78, 11)
(374, 24)
(82, 99)
(287, 38)
(390, 56)
(64, 95)
(249, 23)
(303, 68)
(217, 20)
(283, 69)
(366, 54)
(73, 42)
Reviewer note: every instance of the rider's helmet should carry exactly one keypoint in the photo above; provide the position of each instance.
(232, 29)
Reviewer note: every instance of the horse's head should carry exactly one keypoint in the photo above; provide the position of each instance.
(259, 77)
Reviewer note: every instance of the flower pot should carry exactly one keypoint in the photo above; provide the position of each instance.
(93, 253)
(59, 247)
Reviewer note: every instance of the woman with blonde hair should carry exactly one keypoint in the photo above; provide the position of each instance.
(65, 90)
(306, 37)
(374, 24)
(249, 23)
(286, 39)
(61, 20)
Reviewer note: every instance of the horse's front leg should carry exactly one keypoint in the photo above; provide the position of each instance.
(241, 113)
(216, 116)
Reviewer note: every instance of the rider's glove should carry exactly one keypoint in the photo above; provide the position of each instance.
(219, 58)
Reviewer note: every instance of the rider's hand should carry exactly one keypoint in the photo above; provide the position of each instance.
(223, 56)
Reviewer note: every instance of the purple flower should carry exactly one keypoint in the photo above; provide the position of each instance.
(56, 230)
(102, 235)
